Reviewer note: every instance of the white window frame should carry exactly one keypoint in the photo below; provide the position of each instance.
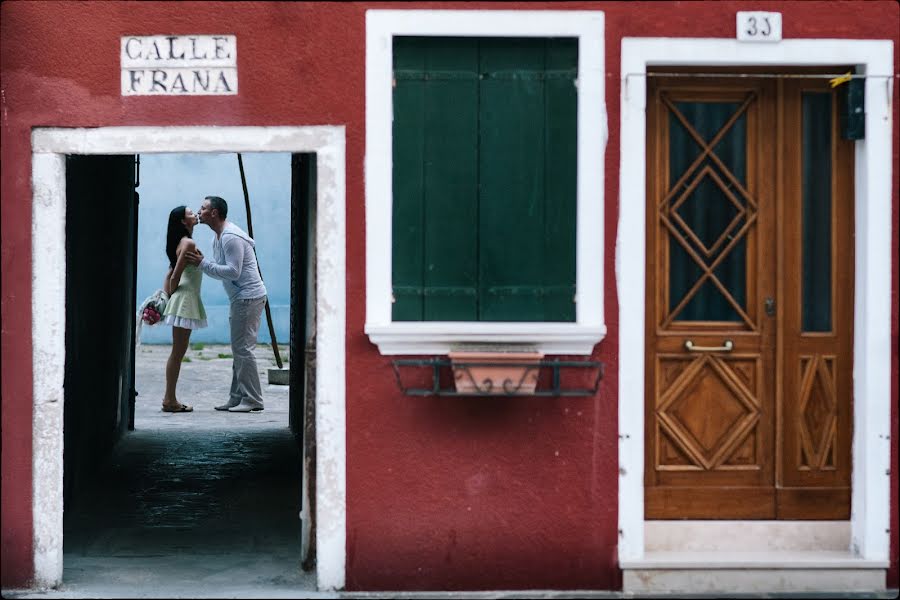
(871, 450)
(437, 337)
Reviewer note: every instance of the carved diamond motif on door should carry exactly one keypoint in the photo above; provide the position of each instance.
(670, 371)
(745, 456)
(708, 413)
(712, 216)
(748, 373)
(684, 210)
(818, 413)
(671, 455)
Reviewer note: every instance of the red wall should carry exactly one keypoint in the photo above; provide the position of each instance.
(441, 494)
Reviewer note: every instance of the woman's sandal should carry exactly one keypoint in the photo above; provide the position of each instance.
(179, 408)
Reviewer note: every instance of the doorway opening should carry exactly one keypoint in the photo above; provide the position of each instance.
(88, 378)
(871, 288)
(183, 482)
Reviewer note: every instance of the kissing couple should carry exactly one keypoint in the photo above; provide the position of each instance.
(234, 264)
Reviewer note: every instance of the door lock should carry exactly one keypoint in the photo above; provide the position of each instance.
(769, 304)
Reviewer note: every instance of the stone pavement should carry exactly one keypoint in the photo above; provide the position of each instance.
(204, 383)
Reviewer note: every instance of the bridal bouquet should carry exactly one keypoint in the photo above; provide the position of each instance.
(150, 311)
(152, 308)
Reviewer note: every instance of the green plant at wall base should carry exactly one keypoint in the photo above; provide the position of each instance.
(197, 346)
(186, 359)
(223, 355)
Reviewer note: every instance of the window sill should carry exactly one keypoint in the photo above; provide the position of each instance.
(439, 337)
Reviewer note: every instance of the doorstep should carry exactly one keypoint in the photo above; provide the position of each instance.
(752, 572)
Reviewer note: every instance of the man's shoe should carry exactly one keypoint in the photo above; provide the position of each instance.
(244, 407)
(227, 405)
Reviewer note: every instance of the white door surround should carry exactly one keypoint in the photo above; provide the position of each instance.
(49, 149)
(869, 523)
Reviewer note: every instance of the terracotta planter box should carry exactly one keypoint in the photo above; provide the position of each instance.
(495, 373)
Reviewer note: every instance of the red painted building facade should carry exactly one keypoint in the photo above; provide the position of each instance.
(454, 493)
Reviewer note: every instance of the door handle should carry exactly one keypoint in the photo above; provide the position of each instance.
(726, 347)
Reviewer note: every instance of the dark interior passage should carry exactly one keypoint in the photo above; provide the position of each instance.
(193, 509)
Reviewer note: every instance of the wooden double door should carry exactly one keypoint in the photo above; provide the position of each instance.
(749, 299)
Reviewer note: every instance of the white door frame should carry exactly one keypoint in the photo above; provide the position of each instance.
(869, 520)
(48, 276)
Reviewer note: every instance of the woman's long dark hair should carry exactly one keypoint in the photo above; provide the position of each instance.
(176, 231)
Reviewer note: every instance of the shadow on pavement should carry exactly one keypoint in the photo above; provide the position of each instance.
(192, 504)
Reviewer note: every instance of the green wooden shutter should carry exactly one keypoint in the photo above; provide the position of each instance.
(451, 181)
(408, 158)
(484, 179)
(435, 179)
(561, 168)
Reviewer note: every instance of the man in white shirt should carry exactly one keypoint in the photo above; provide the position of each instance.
(234, 263)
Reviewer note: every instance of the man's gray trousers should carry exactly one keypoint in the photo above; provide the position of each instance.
(244, 319)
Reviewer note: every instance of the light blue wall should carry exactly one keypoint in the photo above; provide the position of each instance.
(170, 180)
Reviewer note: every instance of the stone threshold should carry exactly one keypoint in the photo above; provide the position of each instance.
(791, 559)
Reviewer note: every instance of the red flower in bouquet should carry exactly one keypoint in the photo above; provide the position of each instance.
(151, 315)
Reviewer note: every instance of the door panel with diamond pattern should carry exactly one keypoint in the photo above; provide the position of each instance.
(723, 440)
(817, 323)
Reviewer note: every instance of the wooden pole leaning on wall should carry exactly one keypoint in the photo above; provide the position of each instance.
(250, 231)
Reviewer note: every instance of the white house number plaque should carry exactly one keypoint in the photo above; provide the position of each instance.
(179, 65)
(755, 26)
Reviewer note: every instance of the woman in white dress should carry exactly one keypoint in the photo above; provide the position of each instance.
(184, 310)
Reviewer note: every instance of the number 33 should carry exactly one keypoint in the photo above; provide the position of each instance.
(753, 30)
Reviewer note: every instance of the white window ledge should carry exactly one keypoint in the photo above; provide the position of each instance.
(439, 337)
